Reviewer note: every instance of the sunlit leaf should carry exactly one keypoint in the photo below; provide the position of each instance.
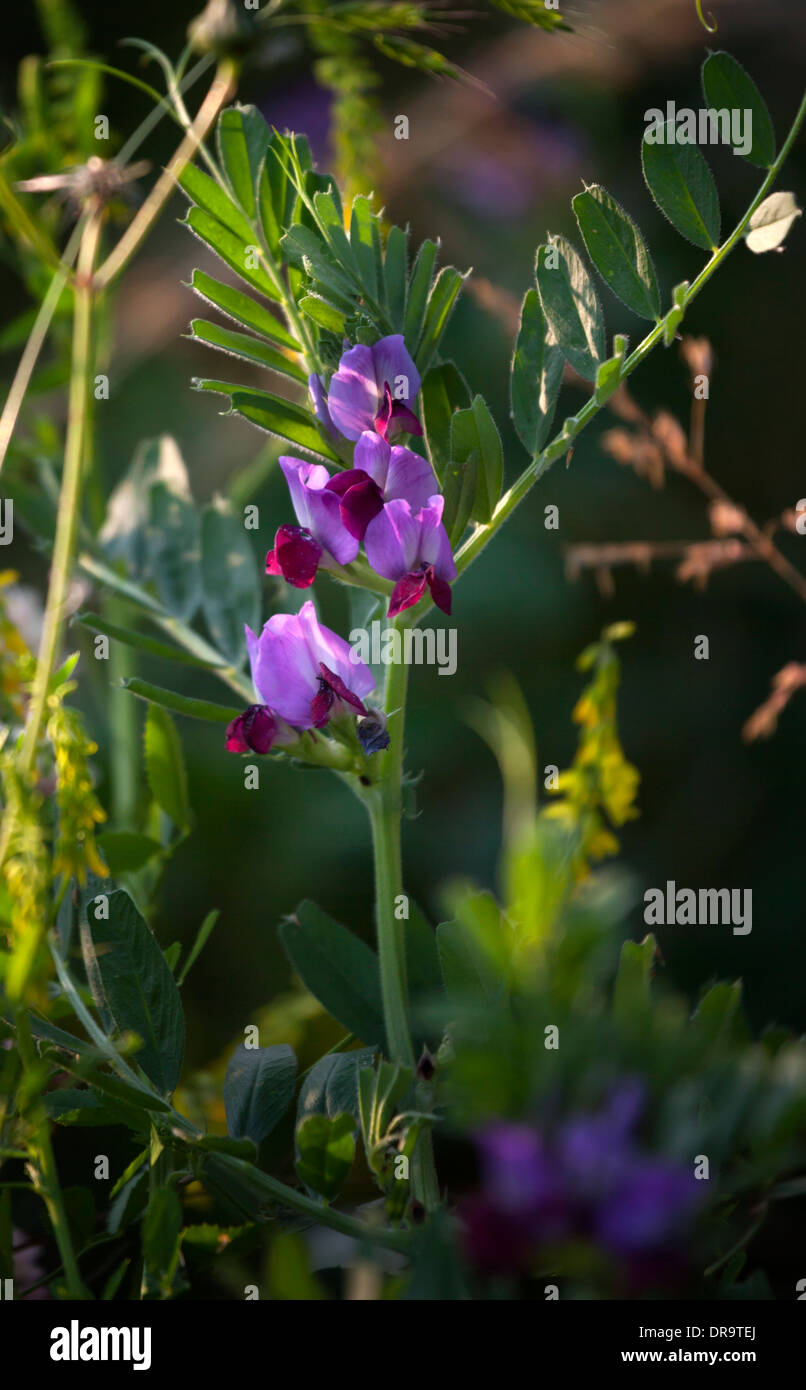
(571, 306)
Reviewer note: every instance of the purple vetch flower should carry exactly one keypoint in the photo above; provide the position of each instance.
(304, 672)
(413, 549)
(298, 550)
(381, 472)
(373, 389)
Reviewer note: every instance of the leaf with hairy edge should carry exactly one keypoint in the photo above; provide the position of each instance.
(241, 256)
(618, 251)
(444, 391)
(474, 432)
(326, 1150)
(278, 198)
(203, 190)
(242, 308)
(727, 87)
(441, 302)
(230, 579)
(395, 274)
(683, 187)
(536, 376)
(571, 306)
(165, 766)
(339, 969)
(324, 314)
(243, 139)
(459, 489)
(365, 243)
(280, 417)
(418, 291)
(258, 1089)
(139, 989)
(248, 348)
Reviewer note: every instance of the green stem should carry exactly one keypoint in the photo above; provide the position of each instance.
(384, 814)
(40, 1152)
(562, 442)
(36, 339)
(384, 803)
(321, 1215)
(70, 497)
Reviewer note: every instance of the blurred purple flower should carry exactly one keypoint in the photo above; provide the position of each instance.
(373, 389)
(588, 1179)
(414, 550)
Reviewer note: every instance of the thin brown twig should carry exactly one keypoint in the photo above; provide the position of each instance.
(221, 89)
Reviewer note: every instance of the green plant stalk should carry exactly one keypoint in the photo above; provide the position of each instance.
(384, 804)
(40, 1155)
(322, 1215)
(36, 339)
(562, 442)
(70, 497)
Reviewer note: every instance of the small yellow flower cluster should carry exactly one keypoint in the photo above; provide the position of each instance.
(16, 661)
(78, 808)
(598, 791)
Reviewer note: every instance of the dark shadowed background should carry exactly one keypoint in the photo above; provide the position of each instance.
(490, 175)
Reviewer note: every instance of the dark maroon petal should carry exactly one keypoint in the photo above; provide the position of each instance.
(403, 420)
(236, 743)
(259, 728)
(321, 705)
(440, 590)
(407, 591)
(254, 731)
(295, 556)
(359, 505)
(361, 499)
(340, 482)
(340, 689)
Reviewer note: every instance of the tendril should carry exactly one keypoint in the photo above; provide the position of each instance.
(710, 22)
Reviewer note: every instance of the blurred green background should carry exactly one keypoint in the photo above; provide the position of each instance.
(491, 174)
